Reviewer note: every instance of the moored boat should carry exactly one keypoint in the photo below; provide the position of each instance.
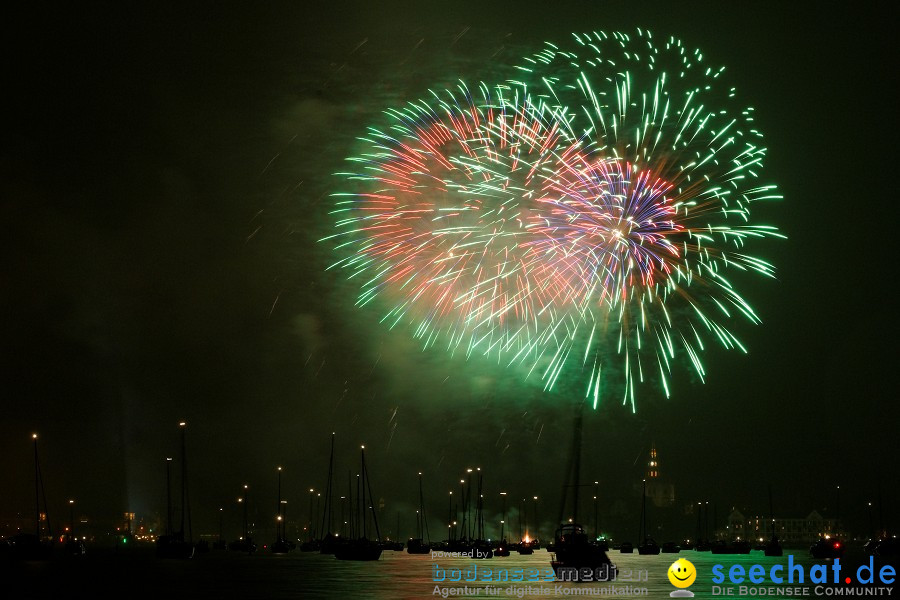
(418, 545)
(572, 549)
(362, 548)
(827, 548)
(670, 548)
(177, 544)
(648, 545)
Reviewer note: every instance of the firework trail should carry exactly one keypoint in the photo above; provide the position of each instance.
(584, 213)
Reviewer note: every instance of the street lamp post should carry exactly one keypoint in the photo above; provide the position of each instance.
(462, 508)
(168, 496)
(450, 518)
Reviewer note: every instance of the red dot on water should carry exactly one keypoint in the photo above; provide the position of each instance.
(848, 580)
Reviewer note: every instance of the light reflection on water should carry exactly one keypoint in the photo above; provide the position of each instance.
(399, 575)
(311, 575)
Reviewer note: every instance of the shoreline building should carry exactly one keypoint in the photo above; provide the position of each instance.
(807, 530)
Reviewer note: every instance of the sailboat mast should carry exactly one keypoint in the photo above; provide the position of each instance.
(470, 529)
(716, 520)
(168, 496)
(183, 426)
(643, 533)
(328, 514)
(706, 522)
(363, 485)
(37, 494)
(372, 500)
(523, 519)
(350, 511)
(503, 522)
(422, 509)
(462, 509)
(420, 518)
(521, 530)
(699, 530)
(280, 517)
(245, 501)
(479, 507)
(771, 518)
(577, 449)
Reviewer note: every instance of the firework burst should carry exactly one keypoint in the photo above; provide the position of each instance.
(585, 213)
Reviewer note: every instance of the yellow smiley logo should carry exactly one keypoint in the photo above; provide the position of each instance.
(682, 573)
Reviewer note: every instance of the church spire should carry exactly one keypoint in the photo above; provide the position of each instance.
(653, 464)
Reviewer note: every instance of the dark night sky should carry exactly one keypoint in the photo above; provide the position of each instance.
(165, 173)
